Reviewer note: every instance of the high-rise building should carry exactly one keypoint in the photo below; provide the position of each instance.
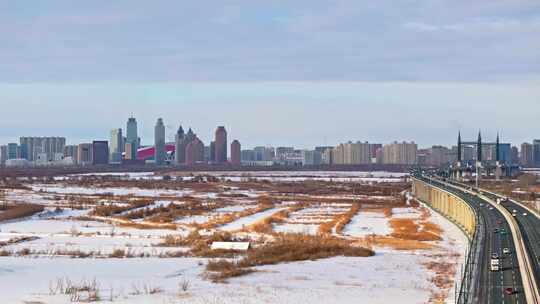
(100, 152)
(400, 153)
(194, 152)
(536, 152)
(71, 151)
(3, 155)
(282, 152)
(180, 146)
(159, 142)
(514, 155)
(221, 145)
(311, 158)
(116, 146)
(373, 150)
(46, 147)
(264, 153)
(526, 158)
(352, 154)
(248, 155)
(132, 138)
(236, 157)
(212, 157)
(438, 156)
(85, 154)
(12, 151)
(128, 147)
(207, 154)
(327, 157)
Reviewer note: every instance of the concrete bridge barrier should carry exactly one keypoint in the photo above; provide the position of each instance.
(451, 206)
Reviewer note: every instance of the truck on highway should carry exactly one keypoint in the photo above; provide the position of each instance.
(495, 265)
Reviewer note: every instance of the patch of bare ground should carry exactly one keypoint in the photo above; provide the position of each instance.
(285, 248)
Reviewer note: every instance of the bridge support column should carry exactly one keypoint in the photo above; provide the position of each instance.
(478, 173)
(498, 171)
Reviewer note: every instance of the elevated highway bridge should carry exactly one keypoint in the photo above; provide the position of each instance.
(492, 230)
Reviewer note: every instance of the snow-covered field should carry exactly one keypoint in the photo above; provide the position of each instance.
(32, 271)
(287, 176)
(367, 223)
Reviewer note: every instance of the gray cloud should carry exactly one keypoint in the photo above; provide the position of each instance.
(280, 40)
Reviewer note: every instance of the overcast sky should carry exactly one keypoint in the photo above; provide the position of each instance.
(300, 73)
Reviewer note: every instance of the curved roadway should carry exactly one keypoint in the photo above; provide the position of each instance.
(491, 285)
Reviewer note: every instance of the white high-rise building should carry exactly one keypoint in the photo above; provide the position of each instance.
(116, 146)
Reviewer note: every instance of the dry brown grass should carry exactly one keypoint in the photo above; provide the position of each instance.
(112, 209)
(20, 210)
(286, 248)
(409, 229)
(221, 270)
(266, 225)
(339, 221)
(442, 279)
(200, 244)
(300, 247)
(265, 203)
(396, 244)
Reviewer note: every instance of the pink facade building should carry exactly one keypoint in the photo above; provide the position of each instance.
(220, 145)
(194, 152)
(235, 153)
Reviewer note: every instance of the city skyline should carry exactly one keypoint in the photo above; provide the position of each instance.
(384, 71)
(171, 138)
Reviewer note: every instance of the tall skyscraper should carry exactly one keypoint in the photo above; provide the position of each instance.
(159, 142)
(180, 147)
(116, 146)
(221, 145)
(100, 152)
(236, 153)
(132, 138)
(527, 155)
